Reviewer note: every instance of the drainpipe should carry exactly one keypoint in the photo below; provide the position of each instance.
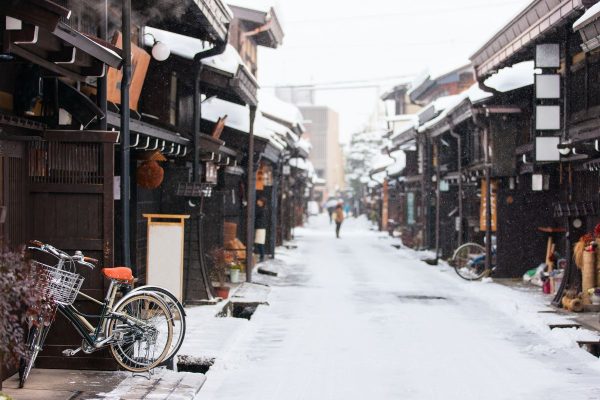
(102, 82)
(125, 152)
(218, 49)
(460, 188)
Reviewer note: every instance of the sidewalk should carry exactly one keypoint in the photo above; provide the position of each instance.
(58, 384)
(210, 333)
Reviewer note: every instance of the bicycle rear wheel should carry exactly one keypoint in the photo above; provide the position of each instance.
(177, 320)
(469, 261)
(145, 331)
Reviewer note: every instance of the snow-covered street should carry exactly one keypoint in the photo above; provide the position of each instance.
(345, 321)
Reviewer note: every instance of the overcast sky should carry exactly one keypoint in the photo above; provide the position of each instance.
(355, 40)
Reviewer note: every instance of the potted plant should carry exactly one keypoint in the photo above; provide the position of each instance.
(20, 299)
(234, 272)
(220, 263)
(594, 294)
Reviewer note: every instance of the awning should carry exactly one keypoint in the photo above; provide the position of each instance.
(238, 119)
(588, 27)
(36, 33)
(151, 137)
(204, 19)
(536, 20)
(224, 75)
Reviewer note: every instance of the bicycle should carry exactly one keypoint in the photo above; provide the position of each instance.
(138, 328)
(178, 317)
(468, 261)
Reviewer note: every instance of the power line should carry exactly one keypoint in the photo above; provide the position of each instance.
(346, 83)
(438, 11)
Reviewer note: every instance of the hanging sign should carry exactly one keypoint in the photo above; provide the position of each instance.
(483, 205)
(410, 208)
(139, 67)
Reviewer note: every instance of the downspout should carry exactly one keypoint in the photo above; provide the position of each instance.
(460, 186)
(125, 151)
(571, 272)
(197, 65)
(214, 51)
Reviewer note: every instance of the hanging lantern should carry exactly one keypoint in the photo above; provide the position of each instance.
(150, 174)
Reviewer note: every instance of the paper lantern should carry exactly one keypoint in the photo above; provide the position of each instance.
(150, 174)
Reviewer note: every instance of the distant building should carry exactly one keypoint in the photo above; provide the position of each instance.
(322, 129)
(450, 83)
(296, 95)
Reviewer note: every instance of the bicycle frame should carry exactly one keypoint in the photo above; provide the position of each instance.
(86, 330)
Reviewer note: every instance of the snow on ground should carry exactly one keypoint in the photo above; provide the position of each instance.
(346, 321)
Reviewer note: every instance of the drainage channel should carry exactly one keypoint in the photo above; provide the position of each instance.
(198, 365)
(236, 309)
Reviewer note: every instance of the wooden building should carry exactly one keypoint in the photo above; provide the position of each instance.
(58, 101)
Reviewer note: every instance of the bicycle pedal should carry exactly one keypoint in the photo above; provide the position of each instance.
(70, 352)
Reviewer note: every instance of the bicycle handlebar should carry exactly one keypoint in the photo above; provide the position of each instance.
(78, 257)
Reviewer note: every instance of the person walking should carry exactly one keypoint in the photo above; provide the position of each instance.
(338, 216)
(260, 227)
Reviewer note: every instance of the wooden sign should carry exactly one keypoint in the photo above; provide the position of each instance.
(140, 60)
(482, 209)
(164, 264)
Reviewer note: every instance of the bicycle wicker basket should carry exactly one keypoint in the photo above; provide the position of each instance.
(59, 285)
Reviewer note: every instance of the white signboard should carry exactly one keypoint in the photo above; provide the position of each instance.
(547, 86)
(546, 148)
(547, 118)
(164, 264)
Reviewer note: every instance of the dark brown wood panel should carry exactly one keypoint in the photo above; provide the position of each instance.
(71, 195)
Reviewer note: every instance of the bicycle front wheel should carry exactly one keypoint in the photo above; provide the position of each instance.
(177, 320)
(35, 341)
(469, 261)
(143, 330)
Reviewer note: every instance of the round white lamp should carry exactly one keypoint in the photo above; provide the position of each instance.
(160, 51)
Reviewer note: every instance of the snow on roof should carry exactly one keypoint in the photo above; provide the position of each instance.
(258, 5)
(238, 118)
(180, 45)
(300, 163)
(281, 110)
(228, 61)
(381, 161)
(304, 144)
(404, 129)
(401, 117)
(589, 16)
(398, 165)
(511, 78)
(448, 104)
(187, 47)
(476, 94)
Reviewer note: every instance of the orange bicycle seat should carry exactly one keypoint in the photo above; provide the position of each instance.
(118, 273)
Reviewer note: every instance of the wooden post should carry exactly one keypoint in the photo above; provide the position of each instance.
(251, 192)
